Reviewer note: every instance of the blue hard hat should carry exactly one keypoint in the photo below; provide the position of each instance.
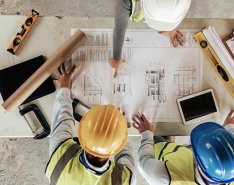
(213, 148)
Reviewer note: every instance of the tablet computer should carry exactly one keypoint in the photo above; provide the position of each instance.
(197, 107)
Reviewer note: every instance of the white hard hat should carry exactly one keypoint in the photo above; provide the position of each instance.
(164, 15)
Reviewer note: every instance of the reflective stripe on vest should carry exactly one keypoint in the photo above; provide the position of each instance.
(136, 14)
(65, 168)
(179, 162)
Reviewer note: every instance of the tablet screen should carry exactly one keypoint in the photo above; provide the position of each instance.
(198, 106)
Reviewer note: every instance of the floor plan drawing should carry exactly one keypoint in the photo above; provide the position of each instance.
(184, 79)
(153, 76)
(155, 82)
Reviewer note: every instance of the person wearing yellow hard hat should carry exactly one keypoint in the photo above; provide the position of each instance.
(211, 160)
(161, 15)
(102, 133)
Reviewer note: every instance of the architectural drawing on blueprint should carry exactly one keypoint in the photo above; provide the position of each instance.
(92, 54)
(100, 39)
(98, 48)
(155, 85)
(184, 79)
(91, 91)
(155, 92)
(98, 54)
(154, 76)
(122, 85)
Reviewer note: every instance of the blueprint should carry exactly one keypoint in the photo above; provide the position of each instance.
(154, 75)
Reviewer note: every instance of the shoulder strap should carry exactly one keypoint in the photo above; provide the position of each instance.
(116, 176)
(136, 14)
(161, 152)
(66, 157)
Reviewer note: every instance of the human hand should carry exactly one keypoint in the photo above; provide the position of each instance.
(176, 37)
(128, 124)
(141, 123)
(65, 78)
(229, 119)
(116, 64)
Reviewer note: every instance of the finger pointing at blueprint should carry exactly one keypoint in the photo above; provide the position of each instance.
(154, 75)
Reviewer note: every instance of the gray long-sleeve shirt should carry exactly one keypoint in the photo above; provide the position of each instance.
(154, 171)
(122, 12)
(63, 125)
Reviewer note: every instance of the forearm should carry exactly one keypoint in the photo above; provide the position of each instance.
(146, 150)
(153, 169)
(62, 121)
(125, 157)
(122, 13)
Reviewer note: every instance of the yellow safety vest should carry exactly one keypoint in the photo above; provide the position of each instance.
(136, 14)
(65, 168)
(179, 162)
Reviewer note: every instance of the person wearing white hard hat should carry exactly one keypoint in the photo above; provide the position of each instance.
(161, 15)
(211, 160)
(102, 133)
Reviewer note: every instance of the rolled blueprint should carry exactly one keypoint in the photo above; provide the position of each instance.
(30, 85)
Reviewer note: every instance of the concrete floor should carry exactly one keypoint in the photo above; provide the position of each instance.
(23, 160)
(105, 8)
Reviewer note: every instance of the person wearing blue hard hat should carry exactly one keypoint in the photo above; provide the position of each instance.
(211, 160)
(213, 148)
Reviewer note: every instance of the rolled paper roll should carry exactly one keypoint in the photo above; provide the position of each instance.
(30, 85)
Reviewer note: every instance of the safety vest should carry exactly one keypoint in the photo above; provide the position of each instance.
(137, 13)
(179, 162)
(65, 168)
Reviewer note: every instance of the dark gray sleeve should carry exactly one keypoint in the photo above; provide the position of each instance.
(122, 13)
(125, 157)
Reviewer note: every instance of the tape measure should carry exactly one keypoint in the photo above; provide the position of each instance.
(30, 20)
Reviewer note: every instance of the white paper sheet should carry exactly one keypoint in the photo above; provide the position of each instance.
(154, 76)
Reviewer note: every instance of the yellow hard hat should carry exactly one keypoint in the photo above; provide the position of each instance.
(102, 131)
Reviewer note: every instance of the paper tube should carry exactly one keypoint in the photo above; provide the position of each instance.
(28, 87)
